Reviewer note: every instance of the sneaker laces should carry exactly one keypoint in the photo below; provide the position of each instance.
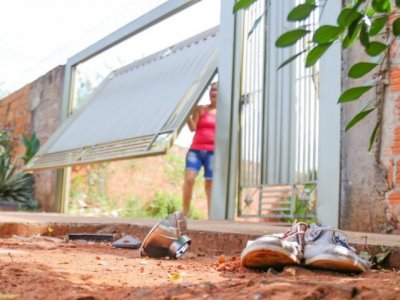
(298, 230)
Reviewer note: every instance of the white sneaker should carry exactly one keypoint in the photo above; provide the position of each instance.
(327, 248)
(276, 250)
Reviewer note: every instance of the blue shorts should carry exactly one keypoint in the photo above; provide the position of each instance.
(195, 159)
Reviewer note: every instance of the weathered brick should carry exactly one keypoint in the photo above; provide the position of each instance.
(395, 72)
(3, 113)
(396, 142)
(394, 76)
(394, 198)
(390, 175)
(23, 120)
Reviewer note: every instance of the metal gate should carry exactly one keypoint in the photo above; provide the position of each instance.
(278, 140)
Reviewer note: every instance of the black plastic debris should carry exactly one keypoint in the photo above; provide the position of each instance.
(93, 237)
(128, 242)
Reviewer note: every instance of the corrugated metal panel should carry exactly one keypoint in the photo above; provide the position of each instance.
(143, 103)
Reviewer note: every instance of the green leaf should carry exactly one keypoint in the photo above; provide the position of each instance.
(396, 27)
(360, 69)
(377, 25)
(381, 5)
(348, 16)
(370, 12)
(343, 18)
(364, 37)
(326, 34)
(374, 136)
(354, 93)
(365, 254)
(375, 48)
(290, 59)
(242, 4)
(301, 12)
(315, 54)
(398, 3)
(352, 34)
(361, 115)
(354, 9)
(291, 37)
(381, 257)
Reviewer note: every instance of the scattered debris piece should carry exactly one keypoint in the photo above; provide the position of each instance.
(9, 296)
(94, 237)
(127, 241)
(50, 231)
(175, 277)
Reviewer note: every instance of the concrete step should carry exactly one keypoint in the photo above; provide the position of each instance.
(209, 237)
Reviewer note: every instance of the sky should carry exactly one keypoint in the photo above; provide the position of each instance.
(38, 35)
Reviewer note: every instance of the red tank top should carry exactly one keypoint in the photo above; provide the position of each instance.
(205, 134)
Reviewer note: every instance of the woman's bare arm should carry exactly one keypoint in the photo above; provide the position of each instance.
(194, 119)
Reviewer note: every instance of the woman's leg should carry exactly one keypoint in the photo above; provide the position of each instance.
(188, 182)
(207, 188)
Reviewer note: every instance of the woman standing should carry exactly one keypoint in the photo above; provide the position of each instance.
(201, 152)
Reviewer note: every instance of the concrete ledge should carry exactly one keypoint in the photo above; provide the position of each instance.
(208, 237)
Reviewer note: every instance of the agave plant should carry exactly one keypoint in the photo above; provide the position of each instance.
(16, 186)
(32, 145)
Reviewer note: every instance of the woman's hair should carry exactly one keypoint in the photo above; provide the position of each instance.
(211, 85)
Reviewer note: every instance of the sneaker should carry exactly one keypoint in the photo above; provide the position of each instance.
(327, 248)
(276, 250)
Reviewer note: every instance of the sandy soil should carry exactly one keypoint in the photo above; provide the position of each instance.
(50, 268)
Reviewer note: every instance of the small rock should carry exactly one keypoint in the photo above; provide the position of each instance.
(293, 271)
(272, 272)
(251, 282)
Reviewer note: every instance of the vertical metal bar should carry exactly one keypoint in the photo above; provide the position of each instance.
(249, 82)
(258, 89)
(253, 103)
(246, 93)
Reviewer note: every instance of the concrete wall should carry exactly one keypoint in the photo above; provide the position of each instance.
(36, 107)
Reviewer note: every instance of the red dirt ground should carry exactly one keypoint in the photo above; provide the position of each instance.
(50, 268)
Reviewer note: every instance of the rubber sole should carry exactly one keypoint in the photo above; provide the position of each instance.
(335, 263)
(264, 257)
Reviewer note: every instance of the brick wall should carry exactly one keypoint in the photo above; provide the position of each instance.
(391, 140)
(14, 112)
(36, 107)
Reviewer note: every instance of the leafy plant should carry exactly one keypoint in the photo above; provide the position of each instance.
(377, 260)
(362, 20)
(92, 191)
(304, 206)
(32, 145)
(16, 186)
(174, 167)
(133, 209)
(163, 204)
